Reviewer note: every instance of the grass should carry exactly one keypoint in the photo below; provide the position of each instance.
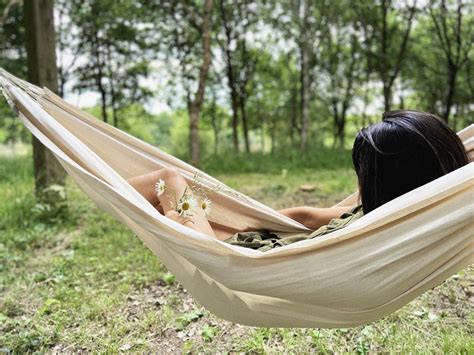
(84, 282)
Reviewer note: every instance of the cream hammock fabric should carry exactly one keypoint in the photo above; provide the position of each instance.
(349, 277)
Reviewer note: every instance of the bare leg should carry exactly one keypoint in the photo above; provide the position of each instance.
(145, 185)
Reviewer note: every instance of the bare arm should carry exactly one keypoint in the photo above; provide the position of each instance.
(313, 218)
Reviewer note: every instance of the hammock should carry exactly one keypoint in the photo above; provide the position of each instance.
(350, 277)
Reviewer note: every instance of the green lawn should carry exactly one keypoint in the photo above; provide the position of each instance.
(86, 283)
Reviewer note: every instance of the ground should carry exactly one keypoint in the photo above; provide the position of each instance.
(86, 283)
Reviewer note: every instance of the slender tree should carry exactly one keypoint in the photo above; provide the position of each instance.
(305, 55)
(196, 103)
(42, 71)
(236, 18)
(343, 68)
(390, 28)
(108, 43)
(302, 22)
(455, 43)
(185, 38)
(343, 62)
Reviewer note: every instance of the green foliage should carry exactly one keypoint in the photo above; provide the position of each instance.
(429, 71)
(113, 49)
(293, 160)
(12, 39)
(184, 320)
(12, 130)
(208, 332)
(179, 137)
(12, 59)
(169, 278)
(108, 34)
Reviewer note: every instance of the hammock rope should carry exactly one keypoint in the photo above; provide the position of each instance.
(350, 277)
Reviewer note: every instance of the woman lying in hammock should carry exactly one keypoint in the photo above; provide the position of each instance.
(407, 149)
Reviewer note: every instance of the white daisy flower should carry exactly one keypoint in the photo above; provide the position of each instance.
(206, 205)
(187, 205)
(160, 187)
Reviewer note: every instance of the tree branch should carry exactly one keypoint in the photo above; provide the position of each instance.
(401, 52)
(7, 9)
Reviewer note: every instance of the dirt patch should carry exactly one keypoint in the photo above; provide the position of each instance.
(183, 329)
(451, 301)
(56, 246)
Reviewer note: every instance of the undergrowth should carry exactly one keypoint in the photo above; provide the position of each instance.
(84, 283)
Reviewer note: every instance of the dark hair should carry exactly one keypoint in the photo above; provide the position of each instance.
(406, 150)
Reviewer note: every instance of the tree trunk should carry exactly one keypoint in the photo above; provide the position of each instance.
(98, 78)
(215, 125)
(42, 71)
(294, 115)
(103, 96)
(273, 135)
(305, 95)
(452, 73)
(339, 123)
(113, 96)
(387, 97)
(389, 79)
(245, 125)
(196, 105)
(262, 129)
(234, 95)
(304, 103)
(62, 81)
(385, 77)
(235, 121)
(305, 79)
(341, 131)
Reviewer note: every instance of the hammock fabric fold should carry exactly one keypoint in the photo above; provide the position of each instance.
(349, 277)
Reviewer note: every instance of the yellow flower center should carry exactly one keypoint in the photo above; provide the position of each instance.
(204, 206)
(185, 206)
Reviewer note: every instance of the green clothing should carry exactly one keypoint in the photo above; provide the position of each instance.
(264, 240)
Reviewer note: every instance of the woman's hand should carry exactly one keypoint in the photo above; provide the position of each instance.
(186, 221)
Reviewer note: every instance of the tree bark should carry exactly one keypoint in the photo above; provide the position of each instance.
(456, 57)
(305, 79)
(42, 71)
(273, 134)
(385, 81)
(294, 129)
(389, 79)
(245, 124)
(452, 74)
(234, 95)
(215, 124)
(196, 104)
(99, 76)
(113, 96)
(235, 120)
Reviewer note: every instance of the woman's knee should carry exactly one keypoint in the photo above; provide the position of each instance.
(168, 173)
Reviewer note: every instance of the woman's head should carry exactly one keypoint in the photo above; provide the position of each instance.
(404, 151)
